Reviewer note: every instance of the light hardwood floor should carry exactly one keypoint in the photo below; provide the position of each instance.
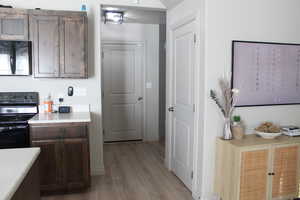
(134, 171)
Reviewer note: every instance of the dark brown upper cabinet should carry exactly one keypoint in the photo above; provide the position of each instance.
(59, 44)
(13, 24)
(44, 32)
(73, 50)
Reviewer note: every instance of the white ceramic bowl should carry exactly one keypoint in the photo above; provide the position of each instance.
(268, 135)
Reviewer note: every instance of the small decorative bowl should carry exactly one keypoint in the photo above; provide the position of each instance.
(268, 135)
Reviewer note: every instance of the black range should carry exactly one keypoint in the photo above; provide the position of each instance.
(16, 108)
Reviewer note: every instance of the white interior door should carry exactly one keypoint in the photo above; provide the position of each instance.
(123, 92)
(183, 102)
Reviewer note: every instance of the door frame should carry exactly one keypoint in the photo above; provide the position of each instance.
(141, 44)
(169, 98)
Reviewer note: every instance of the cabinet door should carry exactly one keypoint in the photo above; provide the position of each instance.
(254, 175)
(51, 164)
(73, 53)
(44, 33)
(285, 166)
(13, 26)
(77, 166)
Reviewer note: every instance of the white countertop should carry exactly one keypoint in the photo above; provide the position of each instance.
(46, 118)
(14, 166)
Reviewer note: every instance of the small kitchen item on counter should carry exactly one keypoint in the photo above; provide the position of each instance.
(237, 128)
(293, 131)
(64, 109)
(268, 130)
(48, 103)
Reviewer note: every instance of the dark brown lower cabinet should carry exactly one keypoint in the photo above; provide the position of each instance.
(64, 159)
(51, 164)
(77, 170)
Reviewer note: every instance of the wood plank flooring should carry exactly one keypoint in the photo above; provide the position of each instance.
(134, 171)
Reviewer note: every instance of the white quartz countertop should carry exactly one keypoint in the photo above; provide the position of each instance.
(45, 118)
(14, 166)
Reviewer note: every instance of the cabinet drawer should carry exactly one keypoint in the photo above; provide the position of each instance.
(46, 133)
(79, 131)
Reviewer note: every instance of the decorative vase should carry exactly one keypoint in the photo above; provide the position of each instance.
(227, 134)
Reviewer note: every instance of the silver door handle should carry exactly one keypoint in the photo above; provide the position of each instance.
(140, 98)
(171, 109)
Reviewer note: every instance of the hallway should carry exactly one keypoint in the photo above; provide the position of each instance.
(134, 171)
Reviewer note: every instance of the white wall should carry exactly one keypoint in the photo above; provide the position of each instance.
(148, 34)
(256, 20)
(93, 84)
(220, 23)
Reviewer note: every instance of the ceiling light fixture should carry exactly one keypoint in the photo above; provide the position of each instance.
(116, 17)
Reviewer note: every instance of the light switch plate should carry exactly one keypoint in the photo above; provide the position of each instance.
(148, 85)
(80, 92)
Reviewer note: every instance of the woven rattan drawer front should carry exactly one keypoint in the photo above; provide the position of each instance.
(254, 175)
(285, 169)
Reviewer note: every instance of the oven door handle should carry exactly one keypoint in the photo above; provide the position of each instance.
(12, 128)
(3, 129)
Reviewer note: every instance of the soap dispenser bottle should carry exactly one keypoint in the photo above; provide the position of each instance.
(48, 103)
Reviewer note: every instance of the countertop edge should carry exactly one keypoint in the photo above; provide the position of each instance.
(11, 193)
(56, 118)
(58, 121)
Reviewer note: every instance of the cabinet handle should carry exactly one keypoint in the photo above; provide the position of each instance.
(271, 174)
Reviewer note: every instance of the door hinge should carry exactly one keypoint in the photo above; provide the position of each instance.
(194, 108)
(102, 55)
(195, 38)
(192, 175)
(103, 132)
(102, 94)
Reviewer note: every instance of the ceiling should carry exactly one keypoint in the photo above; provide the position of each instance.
(171, 3)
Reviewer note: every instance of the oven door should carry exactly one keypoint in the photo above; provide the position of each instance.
(14, 136)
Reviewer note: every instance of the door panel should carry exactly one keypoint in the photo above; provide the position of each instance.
(13, 26)
(44, 32)
(73, 40)
(51, 162)
(123, 102)
(77, 168)
(183, 101)
(285, 164)
(254, 175)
